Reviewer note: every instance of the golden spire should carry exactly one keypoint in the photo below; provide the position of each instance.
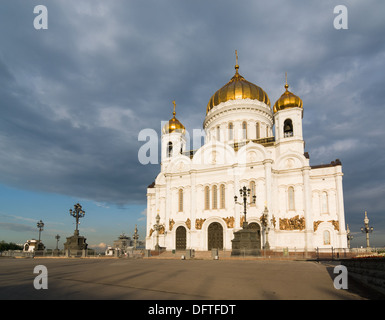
(173, 124)
(236, 61)
(287, 99)
(173, 102)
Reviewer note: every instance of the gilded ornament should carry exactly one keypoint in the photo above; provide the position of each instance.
(241, 220)
(335, 224)
(295, 223)
(188, 223)
(199, 223)
(171, 223)
(316, 224)
(229, 222)
(161, 229)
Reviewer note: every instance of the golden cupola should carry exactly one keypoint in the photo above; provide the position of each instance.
(287, 100)
(173, 125)
(237, 88)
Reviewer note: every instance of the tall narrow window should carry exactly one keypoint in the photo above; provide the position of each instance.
(215, 197)
(325, 207)
(326, 237)
(218, 134)
(291, 198)
(257, 129)
(267, 131)
(252, 191)
(244, 130)
(180, 196)
(169, 149)
(231, 131)
(207, 198)
(223, 196)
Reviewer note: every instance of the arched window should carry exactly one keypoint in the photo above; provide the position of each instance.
(218, 134)
(180, 200)
(231, 131)
(223, 196)
(244, 130)
(252, 191)
(325, 206)
(169, 149)
(215, 197)
(288, 128)
(326, 237)
(207, 198)
(257, 130)
(290, 193)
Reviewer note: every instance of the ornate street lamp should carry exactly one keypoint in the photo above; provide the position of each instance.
(157, 228)
(265, 224)
(57, 237)
(77, 213)
(40, 226)
(244, 192)
(135, 236)
(349, 236)
(366, 229)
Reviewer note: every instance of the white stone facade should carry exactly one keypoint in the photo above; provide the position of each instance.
(245, 145)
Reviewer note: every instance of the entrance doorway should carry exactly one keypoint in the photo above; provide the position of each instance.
(255, 226)
(215, 236)
(180, 238)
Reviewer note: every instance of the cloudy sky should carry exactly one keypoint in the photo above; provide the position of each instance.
(74, 97)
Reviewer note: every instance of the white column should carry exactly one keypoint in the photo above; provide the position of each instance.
(268, 185)
(341, 210)
(307, 208)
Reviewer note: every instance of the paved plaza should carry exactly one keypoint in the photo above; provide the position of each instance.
(157, 279)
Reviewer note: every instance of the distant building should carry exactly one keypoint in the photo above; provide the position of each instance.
(33, 245)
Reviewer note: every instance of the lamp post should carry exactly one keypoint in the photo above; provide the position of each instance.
(40, 226)
(157, 227)
(366, 229)
(349, 236)
(244, 192)
(77, 213)
(135, 236)
(265, 224)
(57, 237)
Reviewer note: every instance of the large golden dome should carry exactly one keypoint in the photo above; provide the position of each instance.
(287, 100)
(173, 124)
(237, 88)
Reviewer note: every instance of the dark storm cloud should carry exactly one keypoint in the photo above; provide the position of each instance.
(74, 97)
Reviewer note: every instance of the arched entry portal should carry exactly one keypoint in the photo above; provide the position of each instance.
(180, 234)
(255, 226)
(215, 236)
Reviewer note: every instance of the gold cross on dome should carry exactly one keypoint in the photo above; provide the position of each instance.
(173, 102)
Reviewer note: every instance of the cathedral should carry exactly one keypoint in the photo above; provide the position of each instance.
(194, 202)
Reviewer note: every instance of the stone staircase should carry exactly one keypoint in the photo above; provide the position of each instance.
(198, 255)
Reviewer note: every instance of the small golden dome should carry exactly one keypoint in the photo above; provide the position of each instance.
(237, 88)
(287, 100)
(173, 124)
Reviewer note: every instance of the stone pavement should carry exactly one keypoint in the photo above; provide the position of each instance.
(162, 279)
